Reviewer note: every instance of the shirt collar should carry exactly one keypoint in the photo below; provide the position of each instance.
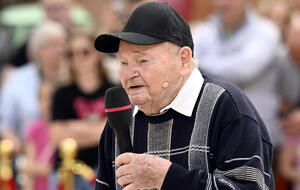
(186, 99)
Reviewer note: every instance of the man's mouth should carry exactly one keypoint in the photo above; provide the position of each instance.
(137, 86)
(134, 87)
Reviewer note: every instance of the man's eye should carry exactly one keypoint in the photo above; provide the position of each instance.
(143, 61)
(124, 63)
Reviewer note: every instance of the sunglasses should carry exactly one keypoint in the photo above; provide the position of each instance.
(82, 52)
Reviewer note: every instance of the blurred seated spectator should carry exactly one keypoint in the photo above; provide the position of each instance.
(78, 108)
(38, 150)
(19, 99)
(237, 45)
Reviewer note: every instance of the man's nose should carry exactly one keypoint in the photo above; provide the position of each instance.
(132, 71)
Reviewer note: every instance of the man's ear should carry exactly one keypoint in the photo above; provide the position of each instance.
(185, 54)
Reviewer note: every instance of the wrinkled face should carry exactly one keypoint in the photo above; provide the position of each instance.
(144, 69)
(58, 10)
(231, 11)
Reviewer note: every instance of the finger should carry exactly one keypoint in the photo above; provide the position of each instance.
(130, 187)
(124, 159)
(125, 180)
(123, 170)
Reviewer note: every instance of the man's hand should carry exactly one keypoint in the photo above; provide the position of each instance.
(141, 171)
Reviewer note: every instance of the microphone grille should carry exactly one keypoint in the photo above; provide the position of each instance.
(116, 97)
(118, 108)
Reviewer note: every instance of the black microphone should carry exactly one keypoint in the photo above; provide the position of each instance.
(119, 115)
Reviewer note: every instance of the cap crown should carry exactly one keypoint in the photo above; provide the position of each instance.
(160, 20)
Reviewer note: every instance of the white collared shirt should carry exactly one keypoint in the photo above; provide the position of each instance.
(186, 99)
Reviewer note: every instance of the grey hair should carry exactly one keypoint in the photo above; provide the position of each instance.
(40, 34)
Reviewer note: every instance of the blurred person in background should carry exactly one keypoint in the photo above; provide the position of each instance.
(278, 11)
(68, 13)
(291, 76)
(78, 108)
(38, 149)
(19, 100)
(17, 21)
(113, 17)
(237, 45)
(289, 164)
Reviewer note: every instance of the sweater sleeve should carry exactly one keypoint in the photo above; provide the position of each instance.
(242, 161)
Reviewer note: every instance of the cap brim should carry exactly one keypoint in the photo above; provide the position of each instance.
(109, 43)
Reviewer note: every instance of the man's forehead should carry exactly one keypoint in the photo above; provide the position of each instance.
(162, 48)
(125, 48)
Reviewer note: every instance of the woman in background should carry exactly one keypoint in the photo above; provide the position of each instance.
(78, 109)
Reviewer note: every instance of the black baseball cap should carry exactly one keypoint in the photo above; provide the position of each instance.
(150, 23)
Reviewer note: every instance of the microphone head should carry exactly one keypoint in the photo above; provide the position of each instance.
(118, 108)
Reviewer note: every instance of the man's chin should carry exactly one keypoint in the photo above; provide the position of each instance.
(138, 101)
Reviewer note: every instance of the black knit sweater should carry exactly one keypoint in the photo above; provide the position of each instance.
(239, 152)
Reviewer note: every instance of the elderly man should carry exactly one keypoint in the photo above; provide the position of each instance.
(188, 131)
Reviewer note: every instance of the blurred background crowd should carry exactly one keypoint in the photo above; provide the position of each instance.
(53, 82)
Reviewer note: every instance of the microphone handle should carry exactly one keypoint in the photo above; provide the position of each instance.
(124, 140)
